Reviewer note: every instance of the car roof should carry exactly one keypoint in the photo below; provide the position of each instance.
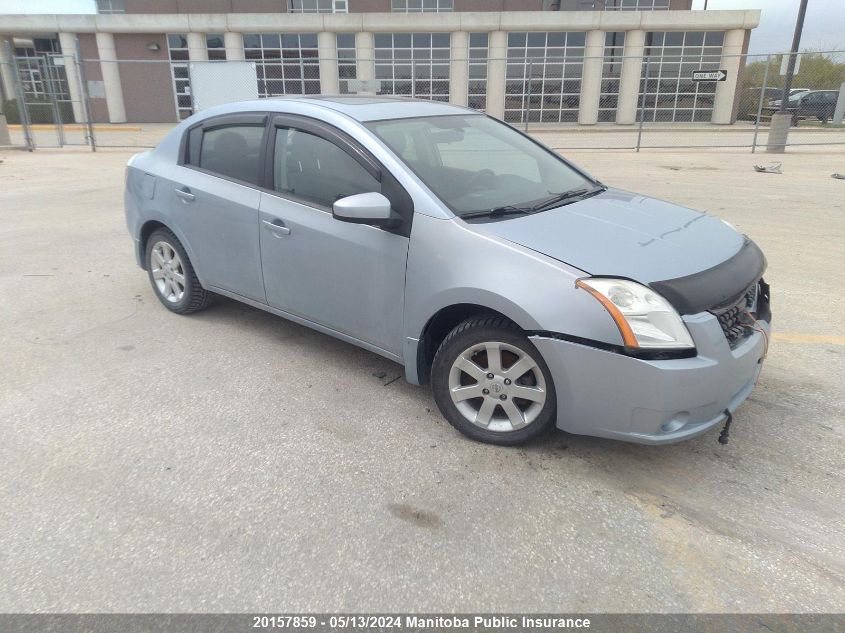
(359, 107)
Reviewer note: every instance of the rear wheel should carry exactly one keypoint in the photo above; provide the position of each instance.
(172, 276)
(491, 383)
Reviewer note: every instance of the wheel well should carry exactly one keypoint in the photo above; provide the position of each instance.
(439, 326)
(146, 231)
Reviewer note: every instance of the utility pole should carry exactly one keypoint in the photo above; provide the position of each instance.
(781, 120)
(790, 69)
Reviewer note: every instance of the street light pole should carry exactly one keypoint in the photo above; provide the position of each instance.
(793, 56)
(782, 119)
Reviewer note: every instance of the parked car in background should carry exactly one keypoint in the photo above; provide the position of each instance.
(809, 104)
(792, 93)
(525, 291)
(749, 102)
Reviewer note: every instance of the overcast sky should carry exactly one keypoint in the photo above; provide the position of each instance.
(824, 26)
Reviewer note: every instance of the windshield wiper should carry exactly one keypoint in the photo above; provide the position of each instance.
(566, 195)
(497, 212)
(540, 205)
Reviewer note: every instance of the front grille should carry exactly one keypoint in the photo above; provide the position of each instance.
(734, 319)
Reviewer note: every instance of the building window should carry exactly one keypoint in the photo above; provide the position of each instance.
(215, 46)
(477, 67)
(347, 67)
(413, 64)
(285, 63)
(421, 6)
(177, 48)
(614, 46)
(543, 80)
(318, 6)
(41, 69)
(670, 92)
(111, 6)
(636, 5)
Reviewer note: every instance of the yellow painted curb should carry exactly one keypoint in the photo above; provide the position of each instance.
(787, 337)
(77, 128)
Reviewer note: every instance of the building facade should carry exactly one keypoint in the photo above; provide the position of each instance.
(546, 61)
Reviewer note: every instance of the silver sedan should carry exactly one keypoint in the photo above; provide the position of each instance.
(527, 293)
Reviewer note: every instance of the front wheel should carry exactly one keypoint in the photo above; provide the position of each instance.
(491, 383)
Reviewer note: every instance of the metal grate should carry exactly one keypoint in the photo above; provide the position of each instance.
(733, 319)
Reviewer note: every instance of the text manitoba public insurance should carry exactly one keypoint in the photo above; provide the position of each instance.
(496, 622)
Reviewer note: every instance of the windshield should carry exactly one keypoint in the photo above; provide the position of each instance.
(475, 163)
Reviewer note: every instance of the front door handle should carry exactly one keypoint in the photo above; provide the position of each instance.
(276, 227)
(185, 194)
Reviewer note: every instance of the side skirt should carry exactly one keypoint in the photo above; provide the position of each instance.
(310, 324)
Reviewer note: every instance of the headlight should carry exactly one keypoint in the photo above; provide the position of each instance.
(644, 318)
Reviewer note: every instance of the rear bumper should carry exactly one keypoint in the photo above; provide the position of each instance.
(607, 394)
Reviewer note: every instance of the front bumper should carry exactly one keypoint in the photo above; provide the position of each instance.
(608, 394)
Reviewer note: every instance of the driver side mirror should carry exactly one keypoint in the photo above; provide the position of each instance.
(365, 208)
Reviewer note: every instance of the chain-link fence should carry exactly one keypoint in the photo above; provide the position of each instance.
(674, 97)
(44, 101)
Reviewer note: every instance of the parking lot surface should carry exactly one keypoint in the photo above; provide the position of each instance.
(234, 461)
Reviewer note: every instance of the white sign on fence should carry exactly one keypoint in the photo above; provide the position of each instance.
(363, 86)
(96, 89)
(213, 83)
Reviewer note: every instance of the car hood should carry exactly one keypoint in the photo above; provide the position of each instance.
(623, 234)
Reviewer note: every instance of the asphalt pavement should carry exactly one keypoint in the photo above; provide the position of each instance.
(234, 461)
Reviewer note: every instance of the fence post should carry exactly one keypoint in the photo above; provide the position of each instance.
(191, 89)
(760, 103)
(413, 77)
(642, 105)
(526, 111)
(83, 87)
(23, 113)
(51, 94)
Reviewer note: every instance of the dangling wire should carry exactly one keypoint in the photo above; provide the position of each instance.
(753, 326)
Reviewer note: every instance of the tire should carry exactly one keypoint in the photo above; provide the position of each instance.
(172, 276)
(495, 415)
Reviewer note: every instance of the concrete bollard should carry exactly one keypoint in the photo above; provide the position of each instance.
(4, 132)
(839, 114)
(778, 132)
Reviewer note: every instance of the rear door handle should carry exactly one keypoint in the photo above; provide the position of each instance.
(185, 194)
(276, 227)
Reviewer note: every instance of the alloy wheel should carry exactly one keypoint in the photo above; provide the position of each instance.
(497, 386)
(168, 272)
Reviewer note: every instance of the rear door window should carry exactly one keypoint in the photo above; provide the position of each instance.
(233, 151)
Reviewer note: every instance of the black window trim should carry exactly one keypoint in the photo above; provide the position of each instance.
(400, 199)
(254, 119)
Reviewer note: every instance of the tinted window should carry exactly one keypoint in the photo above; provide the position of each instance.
(317, 171)
(232, 150)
